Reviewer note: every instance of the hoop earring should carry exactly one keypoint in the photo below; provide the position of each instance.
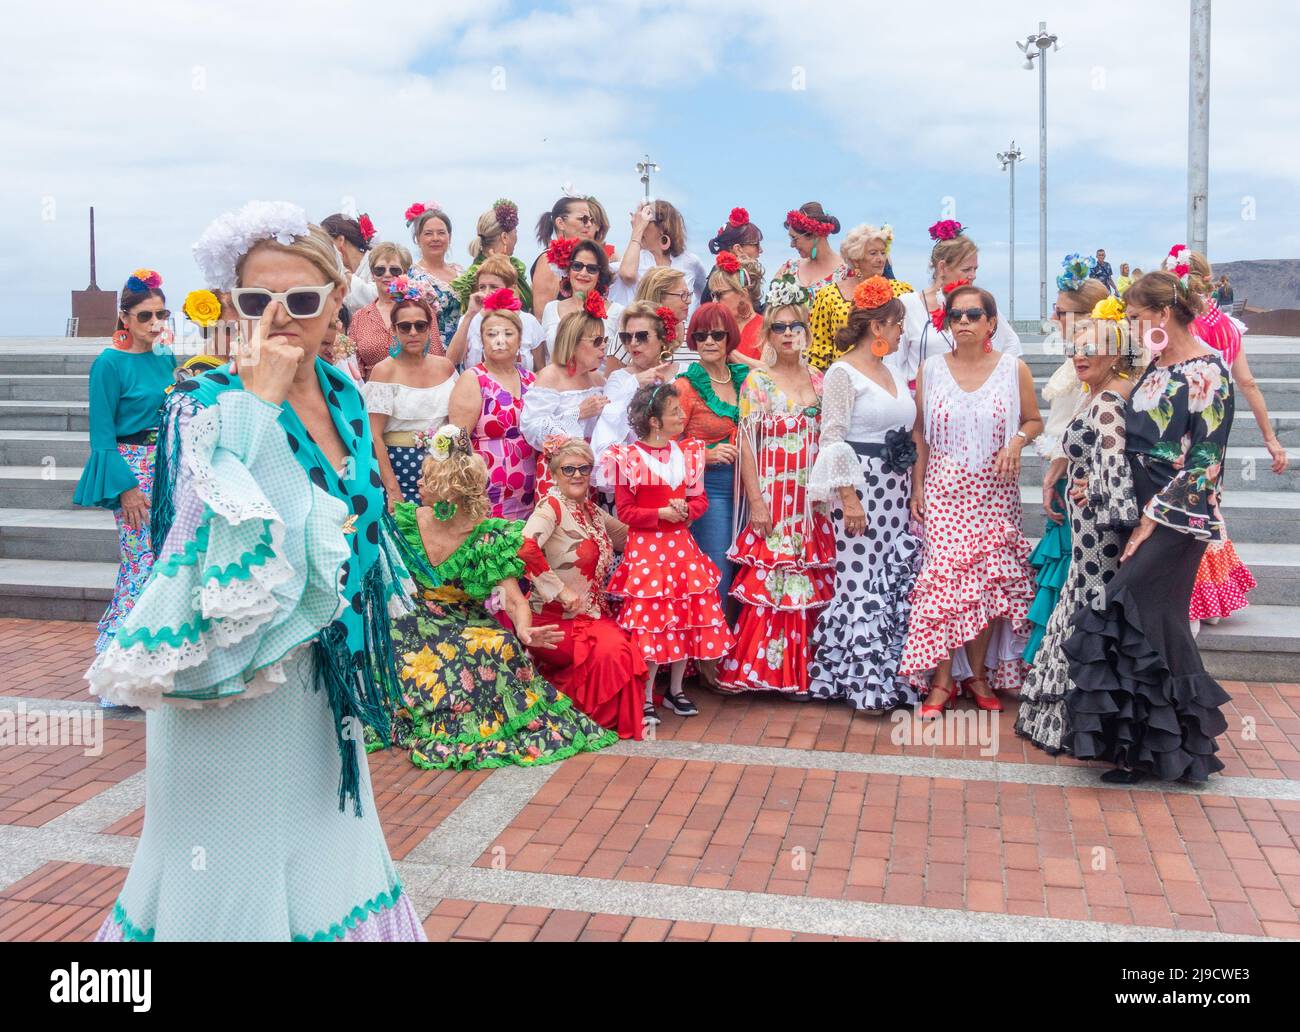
(1156, 339)
(395, 348)
(880, 347)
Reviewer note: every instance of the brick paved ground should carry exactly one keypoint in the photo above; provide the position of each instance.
(759, 819)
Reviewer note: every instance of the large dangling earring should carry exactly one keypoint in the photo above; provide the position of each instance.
(813, 256)
(571, 367)
(1156, 339)
(395, 348)
(443, 511)
(880, 347)
(988, 343)
(121, 339)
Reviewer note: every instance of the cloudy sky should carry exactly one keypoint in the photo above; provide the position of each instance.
(163, 115)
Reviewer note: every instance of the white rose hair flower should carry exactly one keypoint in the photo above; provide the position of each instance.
(231, 236)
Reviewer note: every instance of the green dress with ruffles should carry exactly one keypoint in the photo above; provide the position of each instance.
(472, 696)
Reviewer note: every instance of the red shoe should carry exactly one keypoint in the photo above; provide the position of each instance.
(929, 712)
(984, 702)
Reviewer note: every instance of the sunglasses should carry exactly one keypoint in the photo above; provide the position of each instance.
(577, 471)
(641, 337)
(967, 315)
(597, 342)
(386, 270)
(419, 326)
(146, 317)
(299, 302)
(590, 267)
(700, 336)
(586, 220)
(788, 327)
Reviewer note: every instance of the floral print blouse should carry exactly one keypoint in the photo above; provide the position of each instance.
(1178, 421)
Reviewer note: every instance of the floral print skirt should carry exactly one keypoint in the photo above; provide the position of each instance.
(137, 550)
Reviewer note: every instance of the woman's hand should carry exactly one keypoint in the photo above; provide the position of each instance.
(1278, 454)
(135, 508)
(641, 218)
(267, 364)
(394, 494)
(855, 517)
(760, 518)
(592, 406)
(475, 303)
(540, 636)
(655, 374)
(1143, 531)
(723, 454)
(1079, 491)
(1051, 474)
(917, 505)
(571, 601)
(1007, 464)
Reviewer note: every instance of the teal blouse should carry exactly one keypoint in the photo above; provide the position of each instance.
(127, 390)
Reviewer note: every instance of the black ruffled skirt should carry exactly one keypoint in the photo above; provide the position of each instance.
(1142, 699)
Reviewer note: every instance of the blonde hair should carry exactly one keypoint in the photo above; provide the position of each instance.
(502, 313)
(854, 245)
(569, 446)
(460, 478)
(316, 247)
(599, 218)
(655, 283)
(489, 232)
(501, 267)
(387, 249)
(643, 310)
(1200, 276)
(572, 328)
(753, 285)
(670, 223)
(769, 317)
(1089, 293)
(952, 252)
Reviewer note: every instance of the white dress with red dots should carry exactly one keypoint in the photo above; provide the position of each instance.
(975, 568)
(671, 606)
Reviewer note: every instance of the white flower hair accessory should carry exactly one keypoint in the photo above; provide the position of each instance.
(231, 236)
(439, 443)
(785, 291)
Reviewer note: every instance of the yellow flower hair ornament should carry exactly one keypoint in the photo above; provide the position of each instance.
(202, 307)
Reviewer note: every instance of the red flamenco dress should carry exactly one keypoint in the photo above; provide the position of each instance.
(671, 606)
(570, 545)
(784, 579)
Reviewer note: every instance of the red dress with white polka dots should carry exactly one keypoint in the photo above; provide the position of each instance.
(975, 568)
(669, 587)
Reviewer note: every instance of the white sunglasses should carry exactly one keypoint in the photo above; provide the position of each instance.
(299, 302)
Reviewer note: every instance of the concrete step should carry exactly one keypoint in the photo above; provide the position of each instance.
(36, 447)
(35, 589)
(30, 356)
(1253, 517)
(44, 415)
(44, 387)
(1259, 643)
(84, 535)
(1246, 469)
(39, 487)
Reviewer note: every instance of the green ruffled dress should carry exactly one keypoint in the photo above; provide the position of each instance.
(473, 698)
(463, 285)
(1051, 560)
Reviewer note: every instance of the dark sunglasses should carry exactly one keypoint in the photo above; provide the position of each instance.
(419, 326)
(967, 314)
(577, 471)
(700, 336)
(788, 327)
(641, 337)
(145, 317)
(586, 220)
(300, 302)
(590, 267)
(599, 342)
(386, 270)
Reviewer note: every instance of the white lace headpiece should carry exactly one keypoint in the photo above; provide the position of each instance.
(231, 236)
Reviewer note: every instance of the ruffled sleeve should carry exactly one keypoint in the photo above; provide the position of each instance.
(490, 556)
(106, 474)
(380, 397)
(250, 571)
(821, 322)
(612, 426)
(550, 413)
(837, 463)
(1110, 476)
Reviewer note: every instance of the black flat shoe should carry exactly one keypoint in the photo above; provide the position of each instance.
(649, 715)
(680, 705)
(1123, 777)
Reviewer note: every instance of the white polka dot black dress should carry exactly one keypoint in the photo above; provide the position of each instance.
(858, 641)
(1094, 450)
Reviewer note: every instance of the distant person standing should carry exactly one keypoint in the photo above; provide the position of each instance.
(1124, 280)
(1225, 295)
(1102, 270)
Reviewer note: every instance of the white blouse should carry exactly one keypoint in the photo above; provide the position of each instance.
(920, 340)
(854, 408)
(410, 408)
(551, 326)
(551, 413)
(697, 277)
(612, 426)
(532, 336)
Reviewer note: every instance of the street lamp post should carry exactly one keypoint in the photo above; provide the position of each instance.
(1009, 158)
(645, 166)
(1198, 127)
(1036, 45)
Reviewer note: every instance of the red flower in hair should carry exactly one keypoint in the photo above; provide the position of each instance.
(946, 229)
(594, 305)
(609, 250)
(506, 213)
(560, 253)
(367, 228)
(414, 211)
(738, 217)
(670, 324)
(728, 262)
(501, 299)
(806, 224)
(948, 288)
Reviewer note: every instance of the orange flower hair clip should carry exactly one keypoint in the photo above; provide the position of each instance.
(873, 293)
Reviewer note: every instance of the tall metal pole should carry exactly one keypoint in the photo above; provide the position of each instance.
(92, 250)
(1009, 158)
(1042, 176)
(1198, 128)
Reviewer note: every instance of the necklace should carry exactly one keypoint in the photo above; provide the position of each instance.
(725, 379)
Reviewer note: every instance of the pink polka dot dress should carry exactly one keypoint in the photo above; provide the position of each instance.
(671, 606)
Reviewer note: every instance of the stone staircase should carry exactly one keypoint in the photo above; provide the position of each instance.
(58, 561)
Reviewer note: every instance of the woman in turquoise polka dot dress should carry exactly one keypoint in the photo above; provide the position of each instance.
(260, 648)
